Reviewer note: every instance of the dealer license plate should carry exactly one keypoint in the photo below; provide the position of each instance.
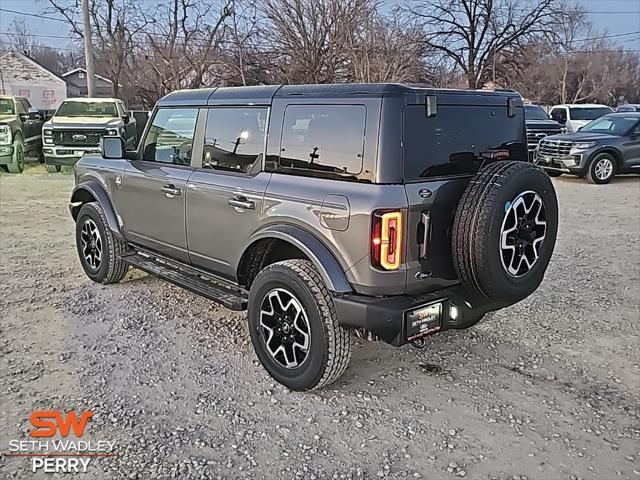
(423, 321)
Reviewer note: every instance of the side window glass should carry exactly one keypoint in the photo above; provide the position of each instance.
(562, 115)
(170, 137)
(234, 138)
(20, 107)
(325, 140)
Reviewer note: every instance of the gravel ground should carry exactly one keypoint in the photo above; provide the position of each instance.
(546, 389)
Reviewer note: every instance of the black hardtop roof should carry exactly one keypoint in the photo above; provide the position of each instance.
(264, 94)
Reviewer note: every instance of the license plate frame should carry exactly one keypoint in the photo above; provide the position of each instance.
(423, 321)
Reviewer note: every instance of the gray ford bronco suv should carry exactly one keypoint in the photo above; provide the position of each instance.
(322, 208)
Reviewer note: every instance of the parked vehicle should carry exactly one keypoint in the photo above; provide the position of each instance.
(574, 116)
(600, 150)
(320, 208)
(78, 125)
(20, 126)
(539, 126)
(629, 107)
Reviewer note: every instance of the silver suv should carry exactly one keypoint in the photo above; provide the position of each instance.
(322, 208)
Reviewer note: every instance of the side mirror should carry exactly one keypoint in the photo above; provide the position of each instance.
(33, 113)
(112, 148)
(125, 119)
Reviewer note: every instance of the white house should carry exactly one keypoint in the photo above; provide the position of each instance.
(23, 76)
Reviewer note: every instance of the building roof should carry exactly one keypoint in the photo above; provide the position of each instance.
(264, 94)
(32, 62)
(76, 70)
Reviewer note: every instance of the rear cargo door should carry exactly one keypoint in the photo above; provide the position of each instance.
(440, 156)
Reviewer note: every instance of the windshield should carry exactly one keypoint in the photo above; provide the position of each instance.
(6, 106)
(87, 109)
(588, 113)
(534, 112)
(611, 124)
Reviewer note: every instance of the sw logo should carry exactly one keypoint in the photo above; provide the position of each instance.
(47, 428)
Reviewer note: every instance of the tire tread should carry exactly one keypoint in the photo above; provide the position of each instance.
(338, 338)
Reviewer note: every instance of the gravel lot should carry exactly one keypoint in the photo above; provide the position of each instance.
(547, 389)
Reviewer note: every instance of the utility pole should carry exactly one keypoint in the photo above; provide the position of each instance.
(88, 51)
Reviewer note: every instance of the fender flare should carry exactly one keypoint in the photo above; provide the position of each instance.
(98, 192)
(326, 263)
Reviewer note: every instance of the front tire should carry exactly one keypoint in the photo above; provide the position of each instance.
(294, 327)
(53, 168)
(553, 173)
(17, 160)
(602, 169)
(98, 249)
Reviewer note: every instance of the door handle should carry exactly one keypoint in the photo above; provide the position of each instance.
(171, 191)
(242, 202)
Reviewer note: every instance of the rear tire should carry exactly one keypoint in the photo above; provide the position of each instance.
(294, 328)
(99, 251)
(602, 169)
(505, 230)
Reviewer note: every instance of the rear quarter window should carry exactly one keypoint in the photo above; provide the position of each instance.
(450, 142)
(323, 140)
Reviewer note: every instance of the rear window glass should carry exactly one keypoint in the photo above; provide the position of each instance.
(450, 142)
(323, 140)
(588, 113)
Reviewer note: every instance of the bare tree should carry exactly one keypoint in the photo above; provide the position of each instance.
(385, 49)
(308, 39)
(115, 28)
(58, 61)
(183, 49)
(473, 34)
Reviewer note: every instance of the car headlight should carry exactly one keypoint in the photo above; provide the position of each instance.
(47, 136)
(583, 145)
(5, 135)
(112, 131)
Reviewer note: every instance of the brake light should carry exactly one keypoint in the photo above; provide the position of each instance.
(386, 240)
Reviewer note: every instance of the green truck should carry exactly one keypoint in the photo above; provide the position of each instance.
(20, 133)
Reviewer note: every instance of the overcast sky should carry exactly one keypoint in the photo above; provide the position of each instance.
(614, 16)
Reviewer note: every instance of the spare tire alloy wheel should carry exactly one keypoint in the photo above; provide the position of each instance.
(285, 328)
(523, 230)
(504, 231)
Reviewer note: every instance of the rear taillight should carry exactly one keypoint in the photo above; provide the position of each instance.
(386, 240)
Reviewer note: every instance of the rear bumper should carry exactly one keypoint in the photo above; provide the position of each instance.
(388, 317)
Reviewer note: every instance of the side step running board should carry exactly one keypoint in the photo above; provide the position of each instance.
(213, 288)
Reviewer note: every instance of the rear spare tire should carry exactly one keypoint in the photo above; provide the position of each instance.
(505, 230)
